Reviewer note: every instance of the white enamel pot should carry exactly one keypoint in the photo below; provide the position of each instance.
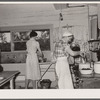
(86, 71)
(84, 65)
(97, 67)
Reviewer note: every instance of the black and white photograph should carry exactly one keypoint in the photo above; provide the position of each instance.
(49, 46)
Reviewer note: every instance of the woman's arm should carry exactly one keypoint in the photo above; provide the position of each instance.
(72, 53)
(38, 47)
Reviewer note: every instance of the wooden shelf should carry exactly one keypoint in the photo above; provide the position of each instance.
(95, 50)
(94, 41)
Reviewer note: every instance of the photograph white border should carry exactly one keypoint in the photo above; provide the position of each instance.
(53, 93)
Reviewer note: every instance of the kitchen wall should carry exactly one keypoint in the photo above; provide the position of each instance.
(19, 57)
(75, 17)
(19, 15)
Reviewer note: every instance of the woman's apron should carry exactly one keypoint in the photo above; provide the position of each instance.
(63, 73)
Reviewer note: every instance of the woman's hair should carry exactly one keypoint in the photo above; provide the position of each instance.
(33, 34)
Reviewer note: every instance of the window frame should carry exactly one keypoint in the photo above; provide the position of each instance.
(12, 41)
(28, 28)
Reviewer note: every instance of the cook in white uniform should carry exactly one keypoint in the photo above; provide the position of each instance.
(32, 64)
(62, 51)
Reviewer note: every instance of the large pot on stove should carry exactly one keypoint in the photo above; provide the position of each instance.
(97, 67)
(84, 65)
(85, 68)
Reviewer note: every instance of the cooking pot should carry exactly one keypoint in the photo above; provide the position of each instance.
(84, 65)
(86, 70)
(97, 67)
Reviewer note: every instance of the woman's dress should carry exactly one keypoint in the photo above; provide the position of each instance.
(32, 64)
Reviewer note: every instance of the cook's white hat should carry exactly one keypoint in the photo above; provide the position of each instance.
(67, 33)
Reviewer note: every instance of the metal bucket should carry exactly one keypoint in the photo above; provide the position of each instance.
(45, 84)
(84, 65)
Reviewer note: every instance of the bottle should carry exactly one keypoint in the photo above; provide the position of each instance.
(83, 60)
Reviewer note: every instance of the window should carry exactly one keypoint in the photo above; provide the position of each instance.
(44, 39)
(5, 41)
(20, 39)
(16, 41)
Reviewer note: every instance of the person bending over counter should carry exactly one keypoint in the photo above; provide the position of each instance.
(61, 53)
(32, 64)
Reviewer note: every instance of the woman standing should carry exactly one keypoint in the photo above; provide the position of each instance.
(32, 64)
(62, 52)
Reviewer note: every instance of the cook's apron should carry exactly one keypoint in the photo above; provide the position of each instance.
(63, 73)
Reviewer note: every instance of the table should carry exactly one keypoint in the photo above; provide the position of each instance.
(8, 76)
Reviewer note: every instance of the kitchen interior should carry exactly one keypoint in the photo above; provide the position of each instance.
(49, 20)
